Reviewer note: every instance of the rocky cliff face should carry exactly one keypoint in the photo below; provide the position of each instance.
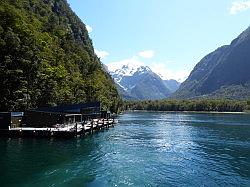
(221, 72)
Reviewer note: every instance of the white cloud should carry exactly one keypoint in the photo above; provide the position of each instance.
(146, 54)
(239, 6)
(132, 62)
(89, 28)
(166, 73)
(101, 54)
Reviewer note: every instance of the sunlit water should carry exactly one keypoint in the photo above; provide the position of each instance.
(144, 149)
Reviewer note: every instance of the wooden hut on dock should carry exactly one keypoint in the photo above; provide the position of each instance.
(65, 120)
(8, 119)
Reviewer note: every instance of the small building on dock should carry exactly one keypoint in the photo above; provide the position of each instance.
(10, 119)
(87, 110)
(64, 120)
(48, 119)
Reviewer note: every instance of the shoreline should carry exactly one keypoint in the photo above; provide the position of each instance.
(201, 112)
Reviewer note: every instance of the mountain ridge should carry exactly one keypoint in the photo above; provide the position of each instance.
(139, 82)
(221, 70)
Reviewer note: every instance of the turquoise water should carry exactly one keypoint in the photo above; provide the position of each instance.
(144, 149)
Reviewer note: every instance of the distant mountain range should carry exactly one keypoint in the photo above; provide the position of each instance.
(224, 73)
(136, 82)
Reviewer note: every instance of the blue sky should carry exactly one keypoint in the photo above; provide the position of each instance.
(170, 36)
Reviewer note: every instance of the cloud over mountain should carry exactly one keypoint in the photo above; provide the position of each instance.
(89, 28)
(146, 54)
(101, 54)
(239, 6)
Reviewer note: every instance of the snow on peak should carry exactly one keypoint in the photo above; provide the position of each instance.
(127, 67)
(143, 69)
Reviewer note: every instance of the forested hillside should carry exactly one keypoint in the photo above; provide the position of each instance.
(47, 58)
(188, 105)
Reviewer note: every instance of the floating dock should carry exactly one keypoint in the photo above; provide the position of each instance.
(61, 121)
(72, 130)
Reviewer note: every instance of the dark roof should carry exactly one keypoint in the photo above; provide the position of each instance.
(74, 108)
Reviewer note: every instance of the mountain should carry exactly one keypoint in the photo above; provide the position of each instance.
(47, 58)
(136, 81)
(172, 85)
(223, 73)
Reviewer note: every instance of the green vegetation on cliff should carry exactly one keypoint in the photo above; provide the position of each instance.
(47, 58)
(223, 73)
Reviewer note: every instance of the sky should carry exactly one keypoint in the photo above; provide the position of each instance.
(169, 36)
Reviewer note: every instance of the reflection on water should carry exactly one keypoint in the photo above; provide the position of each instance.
(145, 149)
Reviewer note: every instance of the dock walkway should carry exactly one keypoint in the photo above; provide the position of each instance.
(70, 130)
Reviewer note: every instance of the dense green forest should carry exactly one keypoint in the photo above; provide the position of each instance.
(47, 58)
(188, 105)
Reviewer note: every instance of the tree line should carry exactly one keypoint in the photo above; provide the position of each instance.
(187, 105)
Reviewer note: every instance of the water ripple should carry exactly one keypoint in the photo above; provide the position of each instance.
(145, 149)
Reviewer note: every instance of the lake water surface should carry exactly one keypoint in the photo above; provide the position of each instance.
(144, 149)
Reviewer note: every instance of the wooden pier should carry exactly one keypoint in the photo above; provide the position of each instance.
(59, 121)
(64, 131)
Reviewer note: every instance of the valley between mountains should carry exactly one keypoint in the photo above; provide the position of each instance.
(222, 74)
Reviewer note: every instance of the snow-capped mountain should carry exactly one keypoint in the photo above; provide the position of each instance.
(137, 81)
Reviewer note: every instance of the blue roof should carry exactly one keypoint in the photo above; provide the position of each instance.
(13, 114)
(17, 114)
